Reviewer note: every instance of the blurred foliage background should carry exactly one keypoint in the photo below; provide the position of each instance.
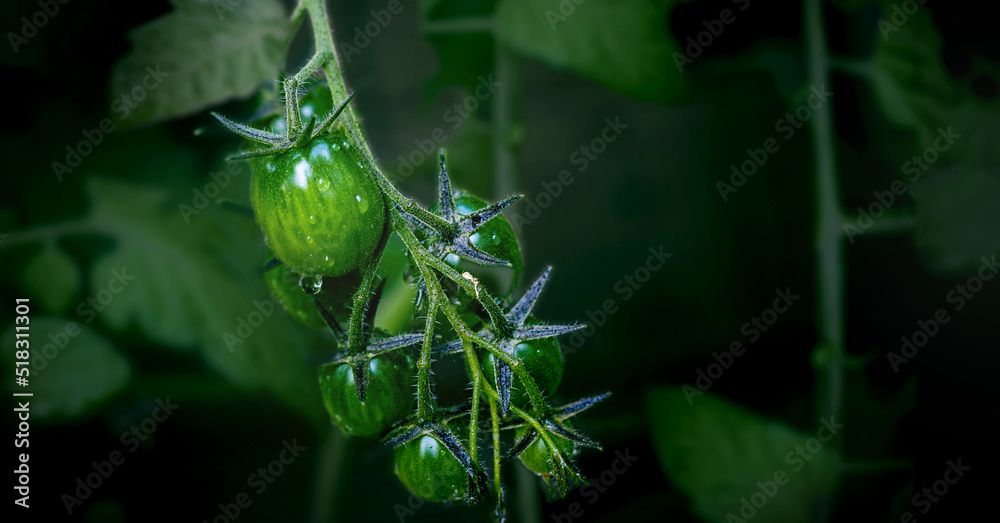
(135, 209)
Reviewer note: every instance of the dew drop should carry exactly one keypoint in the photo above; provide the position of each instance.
(362, 203)
(311, 284)
(312, 219)
(323, 184)
(336, 146)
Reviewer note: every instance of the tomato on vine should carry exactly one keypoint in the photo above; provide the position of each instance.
(537, 457)
(543, 360)
(428, 469)
(495, 237)
(319, 207)
(389, 397)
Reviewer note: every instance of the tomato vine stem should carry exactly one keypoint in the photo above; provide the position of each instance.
(829, 232)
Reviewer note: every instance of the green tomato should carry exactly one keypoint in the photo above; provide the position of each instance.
(495, 237)
(319, 207)
(389, 397)
(543, 361)
(537, 457)
(429, 470)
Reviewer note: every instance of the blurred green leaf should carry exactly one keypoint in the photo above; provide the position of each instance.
(470, 156)
(911, 84)
(958, 209)
(444, 9)
(201, 54)
(395, 309)
(624, 45)
(428, 6)
(53, 277)
(465, 56)
(197, 284)
(74, 369)
(723, 457)
(465, 59)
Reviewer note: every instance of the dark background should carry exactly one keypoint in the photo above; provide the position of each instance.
(654, 186)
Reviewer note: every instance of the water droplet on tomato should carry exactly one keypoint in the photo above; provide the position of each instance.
(311, 284)
(323, 184)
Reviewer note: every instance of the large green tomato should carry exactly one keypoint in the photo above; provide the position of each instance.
(319, 207)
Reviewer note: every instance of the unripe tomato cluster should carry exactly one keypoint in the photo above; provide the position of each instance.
(324, 218)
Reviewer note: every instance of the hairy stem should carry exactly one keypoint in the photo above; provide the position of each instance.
(424, 406)
(356, 339)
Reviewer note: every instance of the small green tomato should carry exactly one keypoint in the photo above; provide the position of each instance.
(389, 397)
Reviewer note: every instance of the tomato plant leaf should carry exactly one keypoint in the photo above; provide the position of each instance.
(958, 209)
(74, 369)
(53, 277)
(200, 54)
(197, 285)
(466, 57)
(720, 455)
(911, 84)
(624, 45)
